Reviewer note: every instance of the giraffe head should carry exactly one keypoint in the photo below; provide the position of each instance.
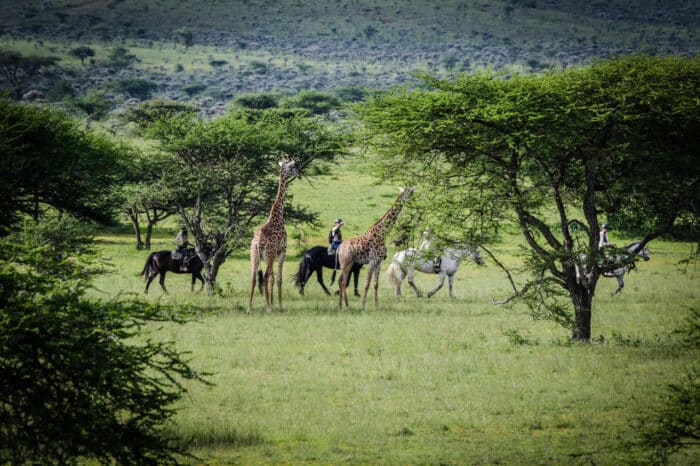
(406, 193)
(289, 168)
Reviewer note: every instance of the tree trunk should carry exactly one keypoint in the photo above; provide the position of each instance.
(149, 233)
(211, 269)
(133, 216)
(583, 300)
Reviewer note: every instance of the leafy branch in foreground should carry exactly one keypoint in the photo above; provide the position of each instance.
(80, 377)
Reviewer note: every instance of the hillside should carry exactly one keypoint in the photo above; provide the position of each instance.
(240, 46)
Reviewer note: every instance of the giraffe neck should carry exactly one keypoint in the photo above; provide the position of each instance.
(382, 226)
(277, 210)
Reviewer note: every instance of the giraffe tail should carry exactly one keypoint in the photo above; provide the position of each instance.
(260, 281)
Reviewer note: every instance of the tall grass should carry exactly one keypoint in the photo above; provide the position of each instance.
(418, 381)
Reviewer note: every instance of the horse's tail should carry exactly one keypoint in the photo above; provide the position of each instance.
(147, 266)
(300, 277)
(392, 273)
(260, 281)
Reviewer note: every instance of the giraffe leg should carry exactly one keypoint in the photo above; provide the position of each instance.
(370, 273)
(376, 287)
(343, 288)
(269, 283)
(280, 264)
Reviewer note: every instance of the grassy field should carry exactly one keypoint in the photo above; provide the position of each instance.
(439, 381)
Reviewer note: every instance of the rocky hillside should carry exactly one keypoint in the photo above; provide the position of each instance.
(219, 48)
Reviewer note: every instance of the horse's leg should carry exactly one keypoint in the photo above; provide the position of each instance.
(620, 285)
(280, 265)
(319, 277)
(201, 279)
(411, 281)
(149, 279)
(356, 279)
(194, 279)
(450, 282)
(441, 281)
(162, 280)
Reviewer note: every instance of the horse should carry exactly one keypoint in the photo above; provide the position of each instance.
(616, 267)
(406, 262)
(314, 260)
(161, 262)
(622, 264)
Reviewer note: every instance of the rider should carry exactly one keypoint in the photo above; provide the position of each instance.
(604, 242)
(182, 243)
(335, 236)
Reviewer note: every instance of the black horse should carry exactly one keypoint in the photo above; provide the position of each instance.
(314, 260)
(161, 262)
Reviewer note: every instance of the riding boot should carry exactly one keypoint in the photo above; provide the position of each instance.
(331, 251)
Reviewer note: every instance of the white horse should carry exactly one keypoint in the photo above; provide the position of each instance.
(616, 267)
(406, 262)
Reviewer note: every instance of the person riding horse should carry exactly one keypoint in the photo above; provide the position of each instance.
(335, 236)
(182, 244)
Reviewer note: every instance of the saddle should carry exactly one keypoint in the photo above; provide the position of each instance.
(436, 264)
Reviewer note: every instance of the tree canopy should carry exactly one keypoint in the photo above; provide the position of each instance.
(553, 156)
(48, 159)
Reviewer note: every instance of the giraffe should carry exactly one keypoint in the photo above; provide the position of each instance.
(369, 248)
(270, 241)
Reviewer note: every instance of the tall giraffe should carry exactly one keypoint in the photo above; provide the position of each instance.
(369, 248)
(270, 241)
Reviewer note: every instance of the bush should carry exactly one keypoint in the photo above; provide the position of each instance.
(80, 381)
(137, 88)
(318, 103)
(95, 104)
(259, 101)
(147, 113)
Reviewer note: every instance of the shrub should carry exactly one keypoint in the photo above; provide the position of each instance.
(137, 88)
(80, 381)
(318, 103)
(259, 101)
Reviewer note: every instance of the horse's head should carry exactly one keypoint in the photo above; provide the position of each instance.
(644, 252)
(473, 253)
(476, 256)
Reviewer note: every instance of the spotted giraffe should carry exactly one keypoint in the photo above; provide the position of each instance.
(270, 241)
(369, 248)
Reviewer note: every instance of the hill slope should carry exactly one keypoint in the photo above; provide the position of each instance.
(293, 44)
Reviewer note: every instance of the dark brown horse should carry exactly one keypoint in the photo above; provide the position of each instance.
(161, 262)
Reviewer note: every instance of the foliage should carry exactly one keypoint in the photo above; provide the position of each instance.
(120, 57)
(95, 104)
(258, 101)
(19, 69)
(187, 35)
(675, 424)
(317, 103)
(224, 173)
(49, 159)
(137, 88)
(79, 378)
(149, 112)
(544, 154)
(82, 53)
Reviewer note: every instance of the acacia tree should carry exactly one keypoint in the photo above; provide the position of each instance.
(224, 172)
(552, 156)
(19, 69)
(48, 159)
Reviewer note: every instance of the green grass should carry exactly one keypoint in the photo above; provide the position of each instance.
(439, 381)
